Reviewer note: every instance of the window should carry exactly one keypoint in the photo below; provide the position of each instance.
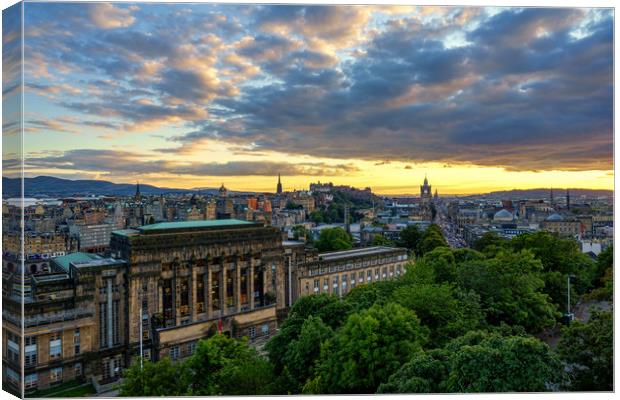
(55, 346)
(30, 351)
(316, 285)
(392, 270)
(56, 375)
(325, 285)
(31, 381)
(12, 376)
(13, 348)
(265, 329)
(115, 329)
(360, 277)
(352, 280)
(384, 272)
(376, 274)
(103, 325)
(252, 332)
(174, 352)
(369, 275)
(77, 369)
(335, 285)
(76, 341)
(191, 348)
(343, 279)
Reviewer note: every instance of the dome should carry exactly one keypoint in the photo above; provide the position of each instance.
(503, 215)
(555, 217)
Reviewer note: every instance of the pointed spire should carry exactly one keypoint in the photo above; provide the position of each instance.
(425, 179)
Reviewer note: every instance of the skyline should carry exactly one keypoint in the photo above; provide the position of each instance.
(178, 95)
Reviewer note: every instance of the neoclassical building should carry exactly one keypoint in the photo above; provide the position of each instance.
(190, 278)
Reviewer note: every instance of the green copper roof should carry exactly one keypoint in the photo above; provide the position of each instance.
(64, 261)
(213, 223)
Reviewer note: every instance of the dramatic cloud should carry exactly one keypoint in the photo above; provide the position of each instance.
(523, 89)
(119, 163)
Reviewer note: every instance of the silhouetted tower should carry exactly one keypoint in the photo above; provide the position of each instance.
(567, 200)
(138, 196)
(279, 187)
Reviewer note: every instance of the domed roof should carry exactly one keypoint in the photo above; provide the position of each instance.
(555, 217)
(503, 215)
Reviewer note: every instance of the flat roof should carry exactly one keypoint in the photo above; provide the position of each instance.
(364, 251)
(163, 227)
(64, 261)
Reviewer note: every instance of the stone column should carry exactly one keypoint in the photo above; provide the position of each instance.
(237, 286)
(109, 307)
(160, 300)
(192, 293)
(209, 304)
(223, 284)
(251, 283)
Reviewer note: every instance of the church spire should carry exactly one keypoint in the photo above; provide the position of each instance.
(138, 195)
(279, 186)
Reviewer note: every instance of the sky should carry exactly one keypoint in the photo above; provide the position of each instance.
(196, 95)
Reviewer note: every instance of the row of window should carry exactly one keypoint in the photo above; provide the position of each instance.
(340, 282)
(342, 267)
(31, 381)
(31, 350)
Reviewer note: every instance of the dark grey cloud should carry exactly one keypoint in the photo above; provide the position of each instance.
(118, 163)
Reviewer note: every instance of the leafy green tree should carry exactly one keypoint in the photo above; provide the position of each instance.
(253, 376)
(316, 217)
(291, 205)
(426, 372)
(604, 266)
(300, 231)
(363, 297)
(330, 309)
(559, 255)
(437, 266)
(489, 239)
(219, 358)
(510, 290)
(332, 239)
(446, 311)
(410, 237)
(162, 378)
(587, 349)
(431, 239)
(369, 348)
(301, 354)
(483, 362)
(463, 255)
(380, 240)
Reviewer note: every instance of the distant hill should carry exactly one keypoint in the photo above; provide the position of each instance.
(516, 194)
(51, 186)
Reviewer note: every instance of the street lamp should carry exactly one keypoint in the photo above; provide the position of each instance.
(569, 316)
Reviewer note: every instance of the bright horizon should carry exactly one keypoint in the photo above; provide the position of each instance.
(196, 95)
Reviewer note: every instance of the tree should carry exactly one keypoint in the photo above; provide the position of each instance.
(489, 239)
(291, 205)
(510, 290)
(426, 372)
(316, 217)
(300, 231)
(220, 358)
(162, 378)
(490, 362)
(446, 311)
(437, 266)
(301, 354)
(410, 237)
(332, 239)
(365, 296)
(380, 240)
(587, 349)
(330, 309)
(367, 349)
(431, 239)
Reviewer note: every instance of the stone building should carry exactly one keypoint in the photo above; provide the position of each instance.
(193, 278)
(73, 323)
(308, 272)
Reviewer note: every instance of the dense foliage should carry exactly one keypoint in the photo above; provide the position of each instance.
(331, 239)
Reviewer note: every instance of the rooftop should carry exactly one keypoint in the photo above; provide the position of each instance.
(364, 251)
(64, 261)
(80, 259)
(161, 227)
